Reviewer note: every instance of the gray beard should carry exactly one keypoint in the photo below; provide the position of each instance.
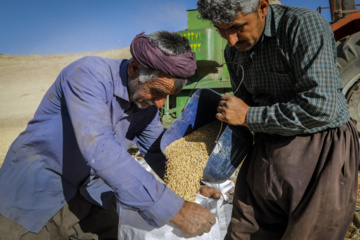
(133, 95)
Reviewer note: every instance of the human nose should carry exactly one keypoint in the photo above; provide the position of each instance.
(159, 103)
(232, 39)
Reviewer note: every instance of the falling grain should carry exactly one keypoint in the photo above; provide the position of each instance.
(187, 159)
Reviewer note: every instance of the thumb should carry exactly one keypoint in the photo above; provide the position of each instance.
(220, 117)
(213, 218)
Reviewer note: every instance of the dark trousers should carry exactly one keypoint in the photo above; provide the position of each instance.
(76, 220)
(299, 187)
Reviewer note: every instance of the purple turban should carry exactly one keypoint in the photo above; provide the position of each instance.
(150, 56)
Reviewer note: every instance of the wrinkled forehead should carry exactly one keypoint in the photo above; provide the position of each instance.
(164, 84)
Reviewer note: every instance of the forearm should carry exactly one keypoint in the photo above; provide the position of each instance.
(138, 189)
(289, 118)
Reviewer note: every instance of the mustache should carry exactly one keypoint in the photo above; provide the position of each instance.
(239, 43)
(140, 104)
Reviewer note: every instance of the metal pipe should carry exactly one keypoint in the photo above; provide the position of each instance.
(332, 4)
(348, 5)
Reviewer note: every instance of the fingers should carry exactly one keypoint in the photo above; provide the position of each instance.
(207, 227)
(206, 230)
(232, 110)
(193, 219)
(223, 103)
(221, 109)
(221, 116)
(207, 191)
(225, 96)
(215, 193)
(213, 219)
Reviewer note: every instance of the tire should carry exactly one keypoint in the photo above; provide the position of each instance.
(348, 62)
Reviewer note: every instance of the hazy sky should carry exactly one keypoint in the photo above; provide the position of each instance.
(75, 26)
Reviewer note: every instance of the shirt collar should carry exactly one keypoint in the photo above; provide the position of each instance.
(120, 87)
(271, 23)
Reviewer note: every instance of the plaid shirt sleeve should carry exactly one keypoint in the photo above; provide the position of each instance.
(317, 102)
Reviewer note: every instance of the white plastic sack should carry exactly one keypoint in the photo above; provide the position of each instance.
(133, 227)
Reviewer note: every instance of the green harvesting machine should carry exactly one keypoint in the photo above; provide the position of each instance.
(211, 71)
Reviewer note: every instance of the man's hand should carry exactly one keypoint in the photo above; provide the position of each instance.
(209, 192)
(194, 220)
(232, 110)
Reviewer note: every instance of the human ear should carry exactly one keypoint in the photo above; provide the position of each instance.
(133, 67)
(263, 7)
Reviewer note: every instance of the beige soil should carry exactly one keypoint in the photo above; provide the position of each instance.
(24, 81)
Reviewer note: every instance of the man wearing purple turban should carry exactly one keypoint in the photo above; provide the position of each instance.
(61, 175)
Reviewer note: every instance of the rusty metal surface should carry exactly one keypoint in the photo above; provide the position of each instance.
(346, 26)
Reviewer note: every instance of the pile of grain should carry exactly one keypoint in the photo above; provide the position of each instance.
(187, 159)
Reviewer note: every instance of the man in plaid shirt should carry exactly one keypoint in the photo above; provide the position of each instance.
(300, 180)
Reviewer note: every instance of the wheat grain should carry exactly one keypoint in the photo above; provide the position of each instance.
(187, 159)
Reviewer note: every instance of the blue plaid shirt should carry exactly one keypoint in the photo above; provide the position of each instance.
(290, 79)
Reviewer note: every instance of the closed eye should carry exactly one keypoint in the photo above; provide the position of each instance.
(233, 28)
(158, 91)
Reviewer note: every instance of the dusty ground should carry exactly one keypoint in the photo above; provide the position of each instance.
(24, 81)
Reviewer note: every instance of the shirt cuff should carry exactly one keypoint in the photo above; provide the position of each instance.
(255, 119)
(164, 209)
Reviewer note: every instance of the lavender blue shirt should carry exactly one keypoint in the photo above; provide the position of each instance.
(78, 141)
